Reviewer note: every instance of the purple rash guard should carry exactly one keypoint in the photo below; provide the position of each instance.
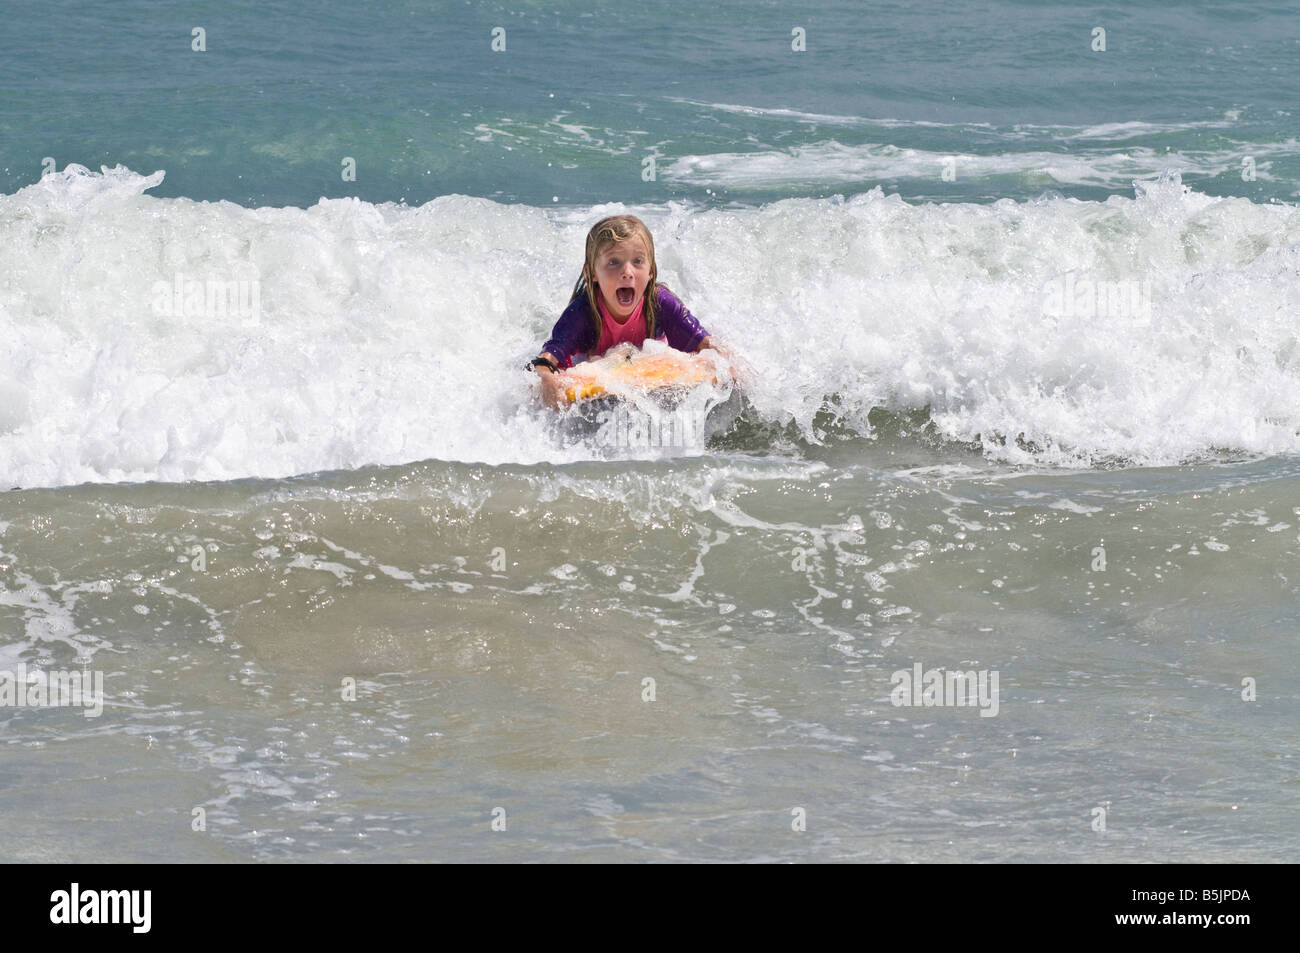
(573, 333)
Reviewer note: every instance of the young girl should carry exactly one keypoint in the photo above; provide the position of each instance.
(617, 299)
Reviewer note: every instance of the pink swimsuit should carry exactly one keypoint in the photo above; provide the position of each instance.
(631, 331)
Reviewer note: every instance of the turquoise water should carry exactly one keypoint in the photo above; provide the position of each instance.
(582, 93)
(1021, 399)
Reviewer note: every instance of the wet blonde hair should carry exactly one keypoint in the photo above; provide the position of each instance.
(607, 232)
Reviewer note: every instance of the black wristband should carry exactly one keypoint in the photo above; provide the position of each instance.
(544, 363)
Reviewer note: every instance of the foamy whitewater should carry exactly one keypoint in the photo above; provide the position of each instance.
(989, 556)
(386, 334)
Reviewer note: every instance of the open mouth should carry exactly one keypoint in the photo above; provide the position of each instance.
(624, 296)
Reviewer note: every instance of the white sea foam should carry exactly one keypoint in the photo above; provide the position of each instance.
(834, 164)
(1112, 131)
(824, 119)
(388, 334)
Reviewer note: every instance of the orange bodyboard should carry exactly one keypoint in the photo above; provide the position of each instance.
(627, 369)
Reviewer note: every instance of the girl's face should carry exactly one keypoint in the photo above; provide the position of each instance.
(622, 273)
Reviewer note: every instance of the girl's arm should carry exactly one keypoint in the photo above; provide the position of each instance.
(678, 325)
(550, 381)
(571, 334)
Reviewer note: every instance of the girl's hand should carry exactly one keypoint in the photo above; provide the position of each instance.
(552, 388)
(737, 367)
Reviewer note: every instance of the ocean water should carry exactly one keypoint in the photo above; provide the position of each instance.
(1015, 325)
